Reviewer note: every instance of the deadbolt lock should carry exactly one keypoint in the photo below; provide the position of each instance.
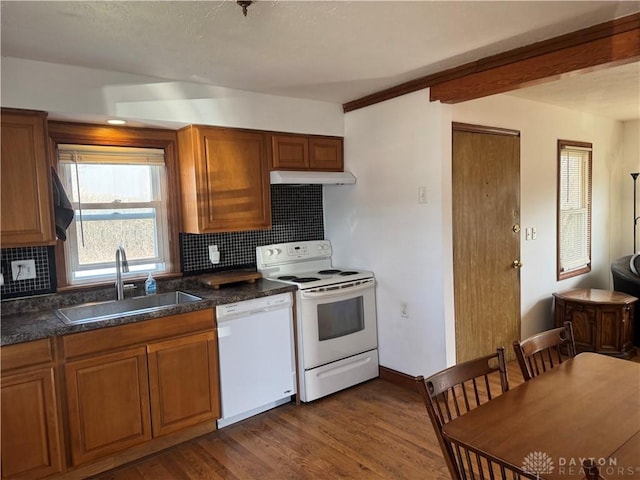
(516, 228)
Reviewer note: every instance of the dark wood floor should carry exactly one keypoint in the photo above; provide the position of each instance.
(375, 430)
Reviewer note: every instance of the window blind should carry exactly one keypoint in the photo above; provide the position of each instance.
(574, 207)
(110, 155)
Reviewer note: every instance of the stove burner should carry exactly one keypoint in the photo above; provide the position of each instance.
(329, 272)
(305, 279)
(287, 277)
(344, 274)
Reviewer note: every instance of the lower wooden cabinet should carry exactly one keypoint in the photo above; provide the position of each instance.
(108, 404)
(131, 384)
(31, 440)
(602, 320)
(183, 375)
(124, 392)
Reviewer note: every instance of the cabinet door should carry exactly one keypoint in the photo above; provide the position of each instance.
(325, 154)
(628, 314)
(183, 378)
(30, 429)
(289, 152)
(26, 217)
(233, 192)
(610, 329)
(583, 319)
(108, 403)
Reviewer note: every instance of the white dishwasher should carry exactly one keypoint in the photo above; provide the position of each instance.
(257, 360)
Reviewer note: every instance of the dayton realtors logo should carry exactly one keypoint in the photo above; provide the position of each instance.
(537, 463)
(540, 463)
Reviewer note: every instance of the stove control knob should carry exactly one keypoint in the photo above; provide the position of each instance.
(268, 252)
(320, 246)
(277, 251)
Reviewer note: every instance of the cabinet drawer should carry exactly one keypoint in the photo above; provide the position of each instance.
(26, 354)
(112, 338)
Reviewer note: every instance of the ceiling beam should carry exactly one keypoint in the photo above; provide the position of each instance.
(604, 45)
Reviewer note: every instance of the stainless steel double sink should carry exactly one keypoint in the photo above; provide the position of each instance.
(93, 312)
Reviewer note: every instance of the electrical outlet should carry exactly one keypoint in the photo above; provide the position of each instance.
(214, 254)
(23, 269)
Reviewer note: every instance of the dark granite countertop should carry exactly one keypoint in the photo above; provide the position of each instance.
(24, 320)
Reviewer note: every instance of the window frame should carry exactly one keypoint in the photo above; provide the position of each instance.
(99, 135)
(563, 145)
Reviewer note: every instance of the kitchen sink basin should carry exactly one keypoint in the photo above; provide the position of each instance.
(93, 312)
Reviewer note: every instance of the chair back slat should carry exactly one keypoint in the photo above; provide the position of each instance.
(543, 351)
(455, 391)
(476, 466)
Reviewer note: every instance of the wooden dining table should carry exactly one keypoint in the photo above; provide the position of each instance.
(587, 407)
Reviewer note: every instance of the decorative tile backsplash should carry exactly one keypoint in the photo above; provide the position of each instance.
(297, 214)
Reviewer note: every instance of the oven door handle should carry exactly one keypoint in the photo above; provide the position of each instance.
(338, 292)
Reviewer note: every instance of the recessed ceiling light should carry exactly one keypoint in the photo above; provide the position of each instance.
(116, 122)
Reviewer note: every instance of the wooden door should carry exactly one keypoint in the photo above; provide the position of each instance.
(108, 403)
(183, 379)
(30, 431)
(486, 239)
(27, 214)
(236, 171)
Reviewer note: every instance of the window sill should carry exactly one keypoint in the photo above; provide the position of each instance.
(137, 278)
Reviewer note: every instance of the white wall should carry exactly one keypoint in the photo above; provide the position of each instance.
(630, 164)
(541, 125)
(83, 94)
(393, 148)
(396, 146)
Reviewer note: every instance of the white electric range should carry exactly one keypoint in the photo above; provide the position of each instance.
(336, 315)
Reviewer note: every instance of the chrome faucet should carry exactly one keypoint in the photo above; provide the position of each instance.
(121, 266)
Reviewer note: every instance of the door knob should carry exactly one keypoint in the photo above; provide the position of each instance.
(517, 264)
(516, 228)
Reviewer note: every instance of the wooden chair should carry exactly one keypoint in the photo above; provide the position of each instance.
(543, 351)
(455, 391)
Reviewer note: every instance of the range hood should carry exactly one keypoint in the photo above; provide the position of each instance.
(308, 178)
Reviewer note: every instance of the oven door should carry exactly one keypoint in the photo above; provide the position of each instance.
(337, 321)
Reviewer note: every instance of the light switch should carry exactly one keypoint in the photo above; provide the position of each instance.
(527, 233)
(534, 233)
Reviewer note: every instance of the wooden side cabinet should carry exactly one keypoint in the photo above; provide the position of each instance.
(602, 320)
(305, 152)
(224, 179)
(26, 203)
(32, 445)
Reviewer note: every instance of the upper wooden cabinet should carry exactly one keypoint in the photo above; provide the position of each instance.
(224, 178)
(27, 211)
(305, 152)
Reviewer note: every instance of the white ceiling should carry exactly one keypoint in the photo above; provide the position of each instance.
(334, 51)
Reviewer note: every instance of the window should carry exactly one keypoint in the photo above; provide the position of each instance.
(574, 208)
(119, 195)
